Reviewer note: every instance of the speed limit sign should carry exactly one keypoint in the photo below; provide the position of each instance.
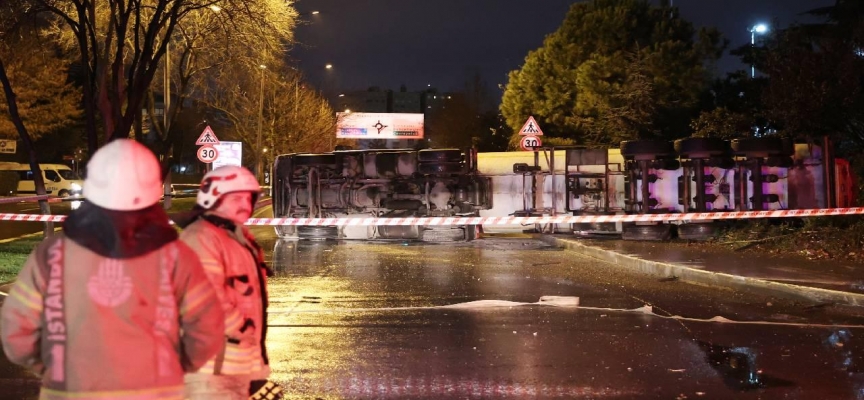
(530, 142)
(207, 154)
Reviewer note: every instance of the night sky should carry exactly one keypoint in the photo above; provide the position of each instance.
(387, 43)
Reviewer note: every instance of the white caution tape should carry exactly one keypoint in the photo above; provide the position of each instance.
(563, 219)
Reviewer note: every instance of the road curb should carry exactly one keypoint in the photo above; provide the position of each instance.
(699, 276)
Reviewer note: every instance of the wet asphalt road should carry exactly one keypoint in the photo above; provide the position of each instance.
(364, 320)
(350, 322)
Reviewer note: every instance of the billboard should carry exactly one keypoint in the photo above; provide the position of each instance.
(353, 125)
(230, 153)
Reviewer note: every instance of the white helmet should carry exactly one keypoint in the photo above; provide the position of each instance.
(123, 175)
(227, 179)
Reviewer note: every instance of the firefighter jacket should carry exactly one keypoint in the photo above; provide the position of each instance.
(234, 263)
(97, 327)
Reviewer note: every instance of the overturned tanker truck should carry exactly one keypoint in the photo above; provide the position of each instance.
(379, 183)
(639, 177)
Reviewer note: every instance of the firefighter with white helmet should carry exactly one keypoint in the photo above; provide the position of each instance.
(234, 262)
(115, 306)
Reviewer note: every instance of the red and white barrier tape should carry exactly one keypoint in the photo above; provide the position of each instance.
(563, 219)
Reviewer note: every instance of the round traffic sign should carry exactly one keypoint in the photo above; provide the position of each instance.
(530, 142)
(207, 154)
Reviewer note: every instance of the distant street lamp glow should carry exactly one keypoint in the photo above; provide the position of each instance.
(329, 66)
(760, 29)
(315, 12)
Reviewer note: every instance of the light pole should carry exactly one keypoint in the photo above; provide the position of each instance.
(258, 152)
(760, 29)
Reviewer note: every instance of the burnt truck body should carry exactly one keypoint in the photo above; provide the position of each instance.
(379, 184)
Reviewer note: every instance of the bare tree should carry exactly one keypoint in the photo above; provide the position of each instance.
(294, 118)
(121, 44)
(257, 33)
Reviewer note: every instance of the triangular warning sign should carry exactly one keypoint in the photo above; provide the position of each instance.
(207, 137)
(531, 128)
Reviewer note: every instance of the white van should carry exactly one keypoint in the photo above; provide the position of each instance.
(59, 179)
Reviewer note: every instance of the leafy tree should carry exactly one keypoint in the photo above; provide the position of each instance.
(46, 101)
(212, 39)
(722, 123)
(816, 85)
(614, 69)
(732, 108)
(495, 134)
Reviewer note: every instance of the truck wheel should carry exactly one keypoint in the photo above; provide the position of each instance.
(286, 231)
(442, 234)
(702, 147)
(762, 147)
(656, 148)
(318, 232)
(440, 168)
(439, 155)
(315, 159)
(652, 233)
(697, 232)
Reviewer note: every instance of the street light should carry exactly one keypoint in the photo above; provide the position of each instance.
(316, 12)
(760, 29)
(329, 66)
(260, 166)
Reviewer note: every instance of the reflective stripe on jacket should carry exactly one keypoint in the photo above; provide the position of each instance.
(237, 278)
(99, 328)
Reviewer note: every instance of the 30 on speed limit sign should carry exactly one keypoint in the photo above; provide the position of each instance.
(207, 154)
(530, 142)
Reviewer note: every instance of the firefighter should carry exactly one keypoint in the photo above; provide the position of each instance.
(235, 265)
(115, 306)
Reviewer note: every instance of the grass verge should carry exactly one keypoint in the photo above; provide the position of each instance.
(822, 238)
(13, 254)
